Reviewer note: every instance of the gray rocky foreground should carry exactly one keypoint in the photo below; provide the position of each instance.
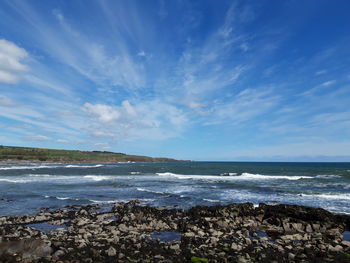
(129, 232)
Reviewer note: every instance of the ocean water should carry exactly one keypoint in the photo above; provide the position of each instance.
(25, 188)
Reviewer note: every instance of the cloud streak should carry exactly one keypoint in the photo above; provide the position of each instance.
(11, 62)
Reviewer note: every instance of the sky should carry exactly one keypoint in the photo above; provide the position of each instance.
(220, 80)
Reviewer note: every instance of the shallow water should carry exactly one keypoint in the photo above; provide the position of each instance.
(167, 236)
(26, 188)
(46, 227)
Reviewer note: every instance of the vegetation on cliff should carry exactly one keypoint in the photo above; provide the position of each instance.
(10, 153)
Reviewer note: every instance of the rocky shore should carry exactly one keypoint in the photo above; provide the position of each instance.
(130, 232)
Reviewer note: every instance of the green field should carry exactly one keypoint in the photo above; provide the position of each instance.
(10, 153)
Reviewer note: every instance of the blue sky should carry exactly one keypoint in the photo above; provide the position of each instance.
(200, 80)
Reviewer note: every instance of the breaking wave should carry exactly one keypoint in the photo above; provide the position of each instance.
(97, 178)
(62, 198)
(243, 176)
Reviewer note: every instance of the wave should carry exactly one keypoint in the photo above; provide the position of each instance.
(33, 167)
(211, 200)
(135, 172)
(329, 196)
(97, 178)
(27, 167)
(146, 200)
(14, 180)
(260, 176)
(82, 166)
(38, 175)
(230, 174)
(328, 176)
(62, 198)
(150, 191)
(243, 176)
(108, 201)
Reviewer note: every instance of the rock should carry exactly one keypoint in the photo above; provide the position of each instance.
(297, 227)
(291, 256)
(111, 252)
(58, 254)
(28, 248)
(40, 218)
(123, 228)
(345, 243)
(189, 234)
(201, 233)
(308, 228)
(82, 222)
(248, 241)
(337, 248)
(241, 260)
(175, 247)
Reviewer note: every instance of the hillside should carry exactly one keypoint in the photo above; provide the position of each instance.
(18, 154)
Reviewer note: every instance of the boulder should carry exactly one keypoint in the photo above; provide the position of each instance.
(28, 248)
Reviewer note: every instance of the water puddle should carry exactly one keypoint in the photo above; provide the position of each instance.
(46, 227)
(166, 236)
(346, 236)
(261, 234)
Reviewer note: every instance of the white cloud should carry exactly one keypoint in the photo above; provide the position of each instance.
(146, 120)
(141, 53)
(328, 83)
(321, 72)
(102, 113)
(11, 67)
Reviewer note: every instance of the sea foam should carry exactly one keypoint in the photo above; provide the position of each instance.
(243, 176)
(329, 196)
(97, 177)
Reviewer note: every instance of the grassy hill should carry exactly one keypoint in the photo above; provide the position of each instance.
(10, 153)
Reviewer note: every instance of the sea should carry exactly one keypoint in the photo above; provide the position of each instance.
(26, 188)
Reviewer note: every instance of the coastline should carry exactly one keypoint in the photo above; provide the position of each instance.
(4, 162)
(129, 232)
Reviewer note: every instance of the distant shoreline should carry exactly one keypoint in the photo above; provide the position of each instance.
(11, 154)
(69, 162)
